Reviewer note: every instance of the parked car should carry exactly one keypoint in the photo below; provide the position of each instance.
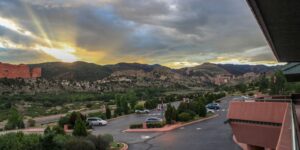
(153, 120)
(210, 110)
(142, 111)
(214, 106)
(95, 121)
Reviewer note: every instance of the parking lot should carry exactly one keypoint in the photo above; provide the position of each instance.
(208, 135)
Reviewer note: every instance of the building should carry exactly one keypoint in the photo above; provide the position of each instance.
(272, 123)
(19, 71)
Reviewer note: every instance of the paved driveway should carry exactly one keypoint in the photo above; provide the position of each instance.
(207, 135)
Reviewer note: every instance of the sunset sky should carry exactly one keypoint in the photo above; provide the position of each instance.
(174, 33)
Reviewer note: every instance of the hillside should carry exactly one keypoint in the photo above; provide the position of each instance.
(91, 72)
(242, 69)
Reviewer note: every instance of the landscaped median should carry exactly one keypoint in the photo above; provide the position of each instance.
(165, 128)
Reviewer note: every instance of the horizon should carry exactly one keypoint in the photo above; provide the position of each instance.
(171, 33)
(268, 65)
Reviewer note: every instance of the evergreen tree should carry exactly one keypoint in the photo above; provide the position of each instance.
(201, 109)
(168, 114)
(107, 112)
(80, 128)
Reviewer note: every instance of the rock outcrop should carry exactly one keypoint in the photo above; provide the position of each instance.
(19, 71)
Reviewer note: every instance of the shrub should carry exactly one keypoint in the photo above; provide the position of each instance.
(155, 125)
(80, 144)
(63, 121)
(88, 105)
(99, 142)
(139, 107)
(60, 139)
(79, 128)
(19, 141)
(108, 138)
(58, 130)
(136, 126)
(31, 123)
(184, 117)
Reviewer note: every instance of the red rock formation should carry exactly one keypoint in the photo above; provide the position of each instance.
(36, 72)
(18, 71)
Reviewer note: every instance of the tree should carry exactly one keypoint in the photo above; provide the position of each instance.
(79, 128)
(74, 116)
(174, 114)
(201, 109)
(132, 98)
(242, 87)
(15, 120)
(278, 83)
(107, 112)
(168, 114)
(263, 84)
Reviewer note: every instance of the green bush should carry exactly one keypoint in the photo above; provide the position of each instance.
(139, 107)
(19, 141)
(136, 126)
(184, 117)
(80, 144)
(108, 138)
(155, 125)
(99, 142)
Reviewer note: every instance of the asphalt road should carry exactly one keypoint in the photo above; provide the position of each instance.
(212, 134)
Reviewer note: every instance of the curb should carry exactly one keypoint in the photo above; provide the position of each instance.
(170, 128)
(125, 147)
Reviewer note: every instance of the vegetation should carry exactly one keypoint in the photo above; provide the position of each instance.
(184, 116)
(15, 120)
(155, 125)
(79, 128)
(107, 112)
(136, 126)
(170, 114)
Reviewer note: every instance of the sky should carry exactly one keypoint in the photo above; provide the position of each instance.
(174, 33)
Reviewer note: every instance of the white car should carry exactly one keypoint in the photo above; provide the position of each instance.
(142, 111)
(96, 121)
(210, 110)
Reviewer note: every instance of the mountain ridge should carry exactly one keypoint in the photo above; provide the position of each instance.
(90, 71)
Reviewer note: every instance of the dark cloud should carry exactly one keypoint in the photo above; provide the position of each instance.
(23, 56)
(162, 31)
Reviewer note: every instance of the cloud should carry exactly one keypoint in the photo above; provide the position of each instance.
(167, 32)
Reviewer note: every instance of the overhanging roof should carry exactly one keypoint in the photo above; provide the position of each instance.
(292, 72)
(280, 23)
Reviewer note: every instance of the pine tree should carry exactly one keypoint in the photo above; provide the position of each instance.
(80, 128)
(107, 112)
